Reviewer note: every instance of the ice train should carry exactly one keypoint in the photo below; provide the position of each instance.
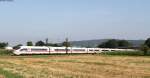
(61, 50)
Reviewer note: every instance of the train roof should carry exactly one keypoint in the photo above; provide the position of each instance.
(33, 46)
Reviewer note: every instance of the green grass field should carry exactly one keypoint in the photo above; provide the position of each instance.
(75, 66)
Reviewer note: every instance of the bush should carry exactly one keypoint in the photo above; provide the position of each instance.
(6, 52)
(145, 49)
(3, 45)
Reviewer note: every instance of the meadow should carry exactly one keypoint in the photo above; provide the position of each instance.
(74, 66)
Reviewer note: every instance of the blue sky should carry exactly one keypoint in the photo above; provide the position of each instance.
(23, 20)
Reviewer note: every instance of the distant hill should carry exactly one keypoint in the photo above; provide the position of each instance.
(94, 43)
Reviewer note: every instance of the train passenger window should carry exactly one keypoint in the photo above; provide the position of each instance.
(113, 50)
(105, 50)
(61, 49)
(90, 50)
(96, 50)
(33, 49)
(78, 49)
(24, 49)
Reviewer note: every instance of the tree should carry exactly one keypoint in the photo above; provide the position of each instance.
(145, 49)
(29, 43)
(113, 43)
(123, 43)
(109, 44)
(66, 44)
(46, 42)
(40, 43)
(147, 42)
(17, 46)
(3, 45)
(102, 45)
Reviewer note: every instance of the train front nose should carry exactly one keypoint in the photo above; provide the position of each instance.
(16, 52)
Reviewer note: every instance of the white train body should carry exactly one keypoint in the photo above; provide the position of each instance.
(61, 50)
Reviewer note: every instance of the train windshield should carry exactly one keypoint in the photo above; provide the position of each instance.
(17, 47)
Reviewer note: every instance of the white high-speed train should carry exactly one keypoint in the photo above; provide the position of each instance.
(61, 50)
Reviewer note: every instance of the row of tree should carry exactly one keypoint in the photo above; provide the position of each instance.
(42, 43)
(113, 43)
